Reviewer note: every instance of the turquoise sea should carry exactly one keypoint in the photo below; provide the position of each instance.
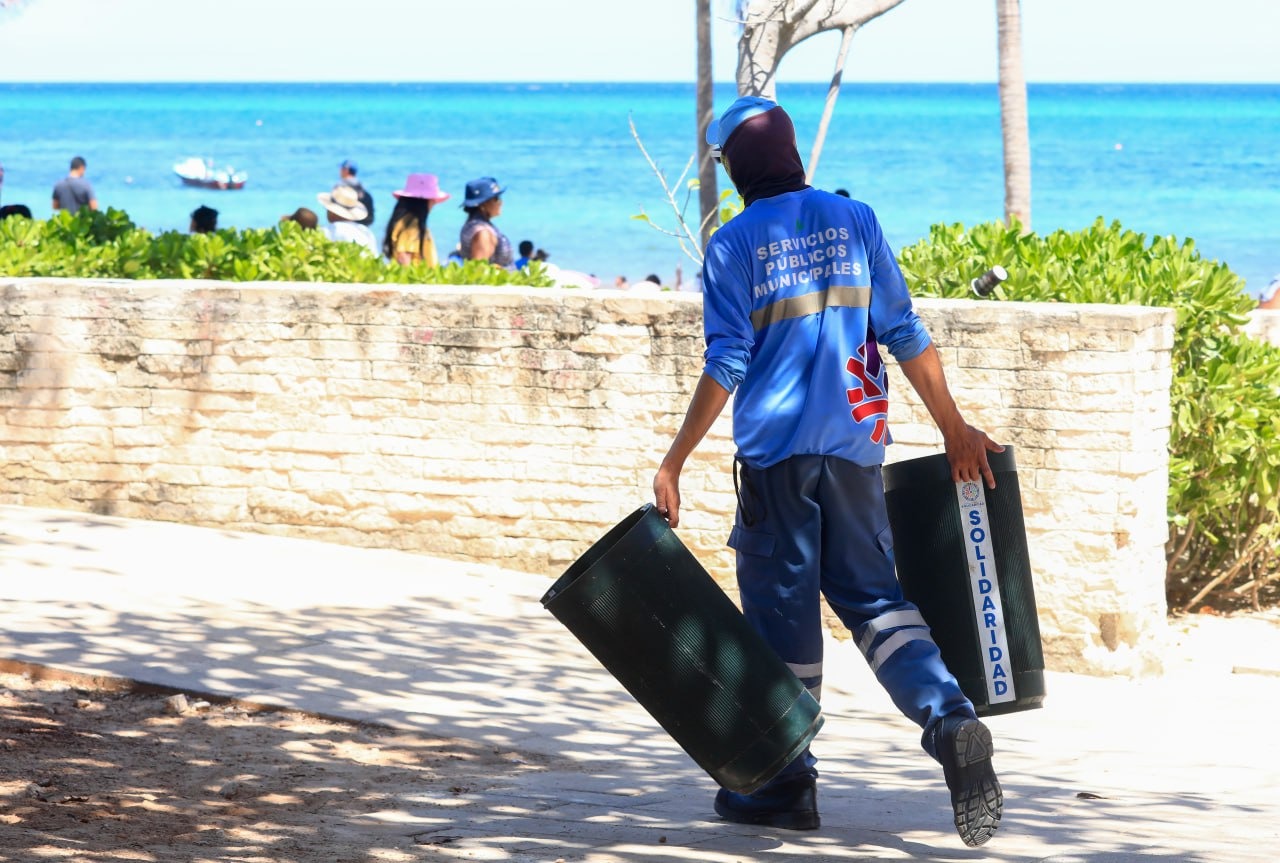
(1199, 161)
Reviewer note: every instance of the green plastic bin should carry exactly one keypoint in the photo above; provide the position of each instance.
(648, 611)
(961, 553)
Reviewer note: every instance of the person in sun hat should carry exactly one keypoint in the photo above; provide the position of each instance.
(800, 290)
(479, 240)
(342, 204)
(407, 239)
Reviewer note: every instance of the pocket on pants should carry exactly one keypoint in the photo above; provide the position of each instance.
(884, 540)
(751, 542)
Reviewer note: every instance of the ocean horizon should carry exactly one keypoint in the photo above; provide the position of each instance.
(1195, 161)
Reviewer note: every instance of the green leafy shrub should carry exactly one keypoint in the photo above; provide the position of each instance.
(108, 245)
(1223, 508)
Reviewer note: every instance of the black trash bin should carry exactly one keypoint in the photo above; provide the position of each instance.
(644, 606)
(961, 552)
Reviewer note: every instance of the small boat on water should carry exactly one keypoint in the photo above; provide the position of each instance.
(200, 172)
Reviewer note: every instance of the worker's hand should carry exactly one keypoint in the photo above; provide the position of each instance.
(666, 493)
(967, 453)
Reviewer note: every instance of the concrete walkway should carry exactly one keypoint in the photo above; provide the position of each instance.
(1185, 767)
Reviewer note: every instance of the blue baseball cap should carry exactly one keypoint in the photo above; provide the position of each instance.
(746, 107)
(348, 165)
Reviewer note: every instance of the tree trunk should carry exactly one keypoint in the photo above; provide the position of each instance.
(708, 198)
(770, 28)
(1013, 115)
(829, 107)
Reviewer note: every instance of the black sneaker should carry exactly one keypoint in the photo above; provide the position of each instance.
(964, 748)
(791, 806)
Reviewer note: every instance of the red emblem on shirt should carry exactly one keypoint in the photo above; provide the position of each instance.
(871, 398)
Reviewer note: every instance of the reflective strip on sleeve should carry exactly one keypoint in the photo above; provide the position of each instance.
(810, 304)
(877, 625)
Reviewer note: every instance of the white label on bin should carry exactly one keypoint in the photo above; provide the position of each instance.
(988, 610)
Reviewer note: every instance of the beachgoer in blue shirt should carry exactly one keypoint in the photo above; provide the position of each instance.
(800, 290)
(73, 191)
(526, 254)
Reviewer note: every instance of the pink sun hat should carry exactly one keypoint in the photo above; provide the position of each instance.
(425, 186)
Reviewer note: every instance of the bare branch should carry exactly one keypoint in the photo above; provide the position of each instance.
(773, 27)
(684, 234)
(828, 108)
(1255, 544)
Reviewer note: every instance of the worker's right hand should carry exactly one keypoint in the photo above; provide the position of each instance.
(666, 494)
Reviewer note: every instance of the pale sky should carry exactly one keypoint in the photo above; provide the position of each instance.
(611, 40)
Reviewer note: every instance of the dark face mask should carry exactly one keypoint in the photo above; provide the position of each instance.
(761, 157)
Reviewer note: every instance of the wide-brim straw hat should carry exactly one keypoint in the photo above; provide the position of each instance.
(424, 186)
(344, 201)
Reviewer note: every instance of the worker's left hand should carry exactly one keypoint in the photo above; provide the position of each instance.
(967, 453)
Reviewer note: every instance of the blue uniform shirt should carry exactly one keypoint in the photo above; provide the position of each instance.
(798, 290)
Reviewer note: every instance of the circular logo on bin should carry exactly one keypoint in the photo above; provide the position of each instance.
(970, 491)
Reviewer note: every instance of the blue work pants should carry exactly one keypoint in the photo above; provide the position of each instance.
(814, 526)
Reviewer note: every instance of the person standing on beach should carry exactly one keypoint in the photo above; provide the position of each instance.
(479, 239)
(347, 174)
(346, 213)
(526, 254)
(204, 220)
(408, 240)
(800, 289)
(73, 191)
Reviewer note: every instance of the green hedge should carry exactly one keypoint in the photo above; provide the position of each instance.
(108, 245)
(1223, 508)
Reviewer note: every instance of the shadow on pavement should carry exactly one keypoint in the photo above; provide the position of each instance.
(459, 651)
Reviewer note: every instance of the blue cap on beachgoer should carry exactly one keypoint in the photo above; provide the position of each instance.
(746, 107)
(481, 190)
(348, 165)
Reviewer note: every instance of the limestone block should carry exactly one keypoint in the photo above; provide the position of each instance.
(184, 400)
(68, 375)
(1153, 461)
(615, 340)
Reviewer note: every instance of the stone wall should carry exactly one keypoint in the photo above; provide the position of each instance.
(514, 427)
